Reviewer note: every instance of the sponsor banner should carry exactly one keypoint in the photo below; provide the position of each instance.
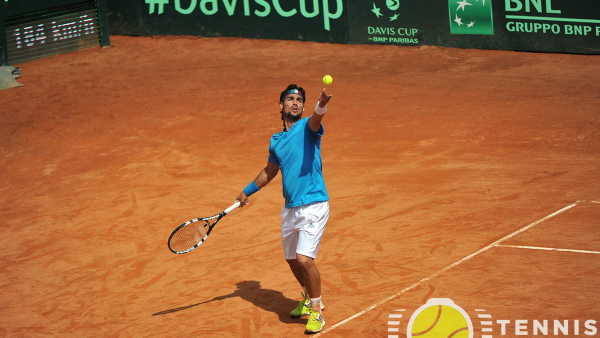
(311, 20)
(396, 22)
(473, 17)
(570, 26)
(565, 26)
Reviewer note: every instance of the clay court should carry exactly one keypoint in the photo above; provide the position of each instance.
(453, 173)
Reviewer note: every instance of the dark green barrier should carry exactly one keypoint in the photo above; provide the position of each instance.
(565, 26)
(310, 20)
(18, 7)
(3, 49)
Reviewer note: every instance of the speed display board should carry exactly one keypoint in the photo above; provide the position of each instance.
(33, 32)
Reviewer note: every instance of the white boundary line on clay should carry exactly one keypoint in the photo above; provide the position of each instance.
(439, 272)
(548, 249)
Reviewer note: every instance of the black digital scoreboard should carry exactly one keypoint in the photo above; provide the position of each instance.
(36, 29)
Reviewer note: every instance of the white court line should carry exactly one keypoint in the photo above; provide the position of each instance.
(597, 202)
(439, 272)
(548, 249)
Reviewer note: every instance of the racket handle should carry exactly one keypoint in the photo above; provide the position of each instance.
(232, 208)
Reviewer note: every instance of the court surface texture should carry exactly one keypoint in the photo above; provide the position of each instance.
(453, 173)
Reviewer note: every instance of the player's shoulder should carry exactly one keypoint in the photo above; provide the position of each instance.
(305, 120)
(277, 136)
(301, 124)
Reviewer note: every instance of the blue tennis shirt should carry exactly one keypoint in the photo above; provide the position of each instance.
(298, 154)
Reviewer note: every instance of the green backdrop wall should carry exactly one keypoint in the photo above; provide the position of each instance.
(310, 20)
(564, 26)
(17, 7)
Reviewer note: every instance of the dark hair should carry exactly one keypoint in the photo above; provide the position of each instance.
(282, 97)
(292, 86)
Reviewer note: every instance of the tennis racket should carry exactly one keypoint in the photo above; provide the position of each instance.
(192, 233)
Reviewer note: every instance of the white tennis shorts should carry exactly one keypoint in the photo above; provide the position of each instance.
(302, 228)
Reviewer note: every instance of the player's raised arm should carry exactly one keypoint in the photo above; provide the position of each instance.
(315, 120)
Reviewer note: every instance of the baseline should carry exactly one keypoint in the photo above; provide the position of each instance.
(547, 249)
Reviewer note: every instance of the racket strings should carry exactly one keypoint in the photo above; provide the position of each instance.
(190, 235)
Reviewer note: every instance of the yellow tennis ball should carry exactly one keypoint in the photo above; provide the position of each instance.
(327, 79)
(440, 321)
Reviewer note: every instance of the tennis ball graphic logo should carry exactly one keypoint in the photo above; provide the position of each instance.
(440, 318)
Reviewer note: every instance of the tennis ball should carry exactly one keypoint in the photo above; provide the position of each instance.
(327, 79)
(440, 321)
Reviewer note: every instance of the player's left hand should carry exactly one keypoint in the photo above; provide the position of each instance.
(324, 99)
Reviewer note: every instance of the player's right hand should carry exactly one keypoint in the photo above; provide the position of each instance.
(324, 99)
(243, 199)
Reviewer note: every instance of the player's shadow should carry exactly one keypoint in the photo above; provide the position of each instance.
(266, 299)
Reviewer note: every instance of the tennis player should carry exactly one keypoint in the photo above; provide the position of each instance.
(296, 151)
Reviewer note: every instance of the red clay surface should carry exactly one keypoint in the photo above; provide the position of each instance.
(429, 155)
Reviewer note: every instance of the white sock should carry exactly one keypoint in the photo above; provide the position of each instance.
(316, 301)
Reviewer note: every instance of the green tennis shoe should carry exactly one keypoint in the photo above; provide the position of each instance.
(302, 309)
(315, 322)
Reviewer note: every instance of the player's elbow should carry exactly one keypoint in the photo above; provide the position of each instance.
(314, 122)
(271, 175)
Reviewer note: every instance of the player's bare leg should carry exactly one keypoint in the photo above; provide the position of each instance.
(312, 281)
(296, 270)
(311, 277)
(303, 307)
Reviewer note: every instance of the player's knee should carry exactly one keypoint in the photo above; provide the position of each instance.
(292, 262)
(305, 263)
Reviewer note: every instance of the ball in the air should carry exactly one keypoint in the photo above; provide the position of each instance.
(327, 79)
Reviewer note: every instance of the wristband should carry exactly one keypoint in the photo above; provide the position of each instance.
(319, 110)
(251, 189)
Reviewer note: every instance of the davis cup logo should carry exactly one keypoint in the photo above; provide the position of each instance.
(392, 6)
